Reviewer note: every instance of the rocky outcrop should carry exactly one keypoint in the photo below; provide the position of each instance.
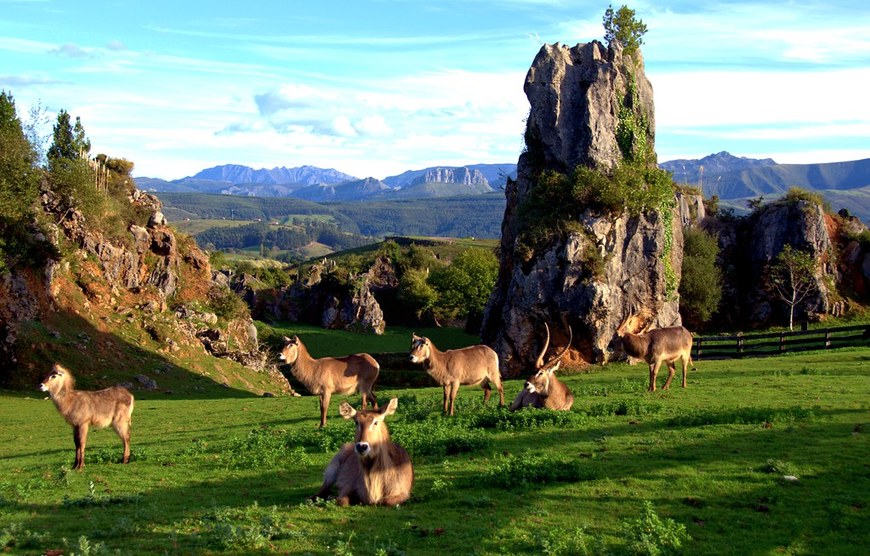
(462, 175)
(748, 246)
(324, 298)
(592, 277)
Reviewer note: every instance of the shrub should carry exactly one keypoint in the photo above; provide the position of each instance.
(701, 284)
(556, 201)
(651, 535)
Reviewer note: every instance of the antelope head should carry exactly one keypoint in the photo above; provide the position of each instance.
(420, 349)
(371, 429)
(290, 351)
(55, 379)
(540, 381)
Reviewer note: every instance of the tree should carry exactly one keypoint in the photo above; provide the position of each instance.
(71, 176)
(416, 294)
(19, 188)
(701, 283)
(18, 173)
(792, 278)
(465, 285)
(622, 26)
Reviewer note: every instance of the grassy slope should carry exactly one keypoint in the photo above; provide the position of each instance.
(206, 473)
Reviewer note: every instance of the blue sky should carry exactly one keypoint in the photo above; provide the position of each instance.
(374, 88)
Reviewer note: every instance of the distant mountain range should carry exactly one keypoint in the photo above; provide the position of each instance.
(329, 185)
(737, 179)
(733, 179)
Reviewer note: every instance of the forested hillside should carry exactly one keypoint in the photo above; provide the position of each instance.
(465, 216)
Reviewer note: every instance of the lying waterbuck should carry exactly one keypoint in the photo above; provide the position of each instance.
(83, 408)
(372, 469)
(543, 389)
(450, 368)
(331, 375)
(661, 345)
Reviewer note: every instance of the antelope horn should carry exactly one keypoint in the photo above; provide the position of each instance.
(559, 356)
(540, 362)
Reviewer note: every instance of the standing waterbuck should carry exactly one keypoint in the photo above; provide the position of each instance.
(450, 368)
(372, 469)
(543, 389)
(331, 375)
(83, 408)
(661, 345)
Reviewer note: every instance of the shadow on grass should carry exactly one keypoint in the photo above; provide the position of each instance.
(99, 359)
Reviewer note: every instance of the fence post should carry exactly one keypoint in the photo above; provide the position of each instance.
(827, 338)
(782, 341)
(698, 349)
(739, 344)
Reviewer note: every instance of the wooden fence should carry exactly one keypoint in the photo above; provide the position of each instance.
(759, 345)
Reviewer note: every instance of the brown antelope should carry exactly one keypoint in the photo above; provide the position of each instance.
(83, 408)
(331, 375)
(661, 345)
(543, 389)
(450, 368)
(372, 469)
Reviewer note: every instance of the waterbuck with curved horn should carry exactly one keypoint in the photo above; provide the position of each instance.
(372, 469)
(331, 375)
(543, 389)
(657, 346)
(467, 366)
(81, 408)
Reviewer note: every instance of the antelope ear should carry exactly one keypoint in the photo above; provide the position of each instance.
(286, 339)
(346, 410)
(391, 407)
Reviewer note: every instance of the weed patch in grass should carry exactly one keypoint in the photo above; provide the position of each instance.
(501, 419)
(510, 471)
(651, 535)
(764, 416)
(251, 527)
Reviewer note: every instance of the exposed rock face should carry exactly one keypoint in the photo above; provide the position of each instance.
(462, 175)
(320, 298)
(749, 246)
(591, 278)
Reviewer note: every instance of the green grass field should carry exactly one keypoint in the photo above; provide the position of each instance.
(626, 472)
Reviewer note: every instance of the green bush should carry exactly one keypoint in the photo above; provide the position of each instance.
(651, 535)
(701, 284)
(556, 201)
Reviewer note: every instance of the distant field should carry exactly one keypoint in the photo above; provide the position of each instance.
(195, 225)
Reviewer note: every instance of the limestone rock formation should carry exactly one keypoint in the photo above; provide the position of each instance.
(590, 278)
(323, 298)
(462, 175)
(747, 247)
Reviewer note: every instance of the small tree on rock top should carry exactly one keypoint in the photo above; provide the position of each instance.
(621, 25)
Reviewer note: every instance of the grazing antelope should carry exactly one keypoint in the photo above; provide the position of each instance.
(331, 375)
(543, 389)
(661, 345)
(450, 368)
(83, 408)
(372, 469)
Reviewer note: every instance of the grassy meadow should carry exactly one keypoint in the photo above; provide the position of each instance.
(763, 456)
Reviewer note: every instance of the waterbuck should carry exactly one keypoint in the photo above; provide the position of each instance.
(83, 408)
(372, 469)
(450, 368)
(331, 375)
(543, 389)
(661, 345)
